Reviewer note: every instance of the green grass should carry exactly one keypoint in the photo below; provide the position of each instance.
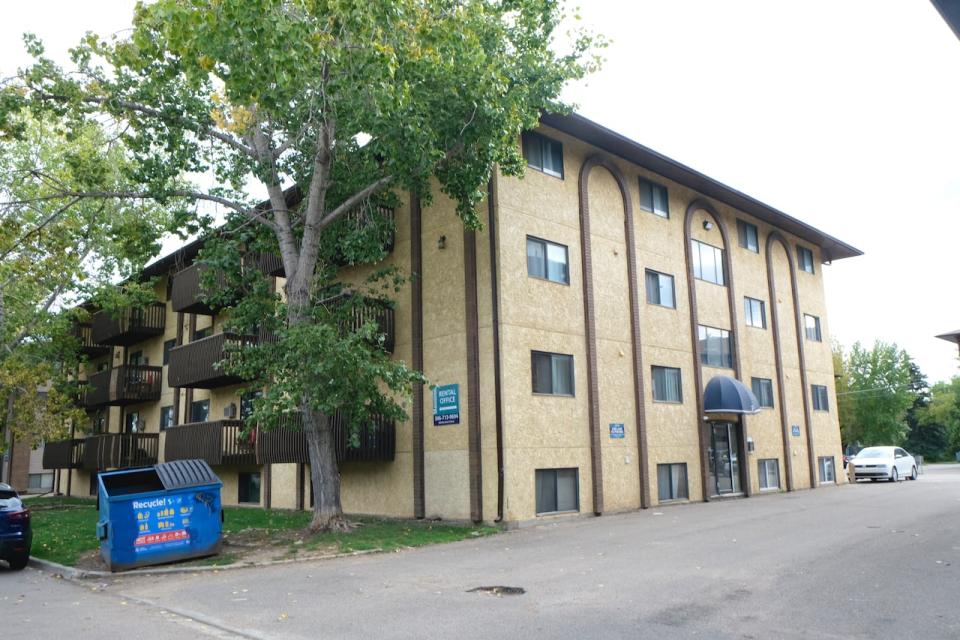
(64, 529)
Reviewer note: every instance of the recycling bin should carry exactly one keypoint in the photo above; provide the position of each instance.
(163, 513)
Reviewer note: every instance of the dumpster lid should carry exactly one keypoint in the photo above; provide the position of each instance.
(181, 474)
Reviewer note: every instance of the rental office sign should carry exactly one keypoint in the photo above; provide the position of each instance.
(446, 404)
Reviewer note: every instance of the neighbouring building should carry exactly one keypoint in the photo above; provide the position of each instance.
(570, 342)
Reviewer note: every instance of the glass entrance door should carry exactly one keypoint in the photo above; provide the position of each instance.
(723, 458)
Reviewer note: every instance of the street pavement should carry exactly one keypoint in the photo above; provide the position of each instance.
(865, 561)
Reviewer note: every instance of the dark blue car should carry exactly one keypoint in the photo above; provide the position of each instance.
(15, 532)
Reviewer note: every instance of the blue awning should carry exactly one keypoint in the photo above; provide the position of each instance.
(728, 395)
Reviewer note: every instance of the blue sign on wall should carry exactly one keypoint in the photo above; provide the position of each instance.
(446, 404)
(617, 430)
(795, 430)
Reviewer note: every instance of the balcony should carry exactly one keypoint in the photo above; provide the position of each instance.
(186, 291)
(120, 450)
(269, 263)
(288, 443)
(364, 216)
(123, 385)
(219, 442)
(193, 365)
(376, 312)
(84, 334)
(129, 326)
(64, 454)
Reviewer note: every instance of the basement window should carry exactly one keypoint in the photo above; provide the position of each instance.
(557, 491)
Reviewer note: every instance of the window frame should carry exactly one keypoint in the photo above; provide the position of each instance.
(240, 487)
(670, 466)
(546, 260)
(198, 403)
(556, 482)
(762, 473)
(821, 470)
(166, 415)
(653, 383)
(526, 138)
(802, 253)
(763, 382)
(696, 256)
(818, 332)
(748, 313)
(654, 187)
(573, 380)
(821, 397)
(673, 288)
(704, 359)
(743, 237)
(167, 346)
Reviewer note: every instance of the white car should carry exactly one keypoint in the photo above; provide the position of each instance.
(888, 463)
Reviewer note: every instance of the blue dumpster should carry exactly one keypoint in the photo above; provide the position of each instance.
(163, 513)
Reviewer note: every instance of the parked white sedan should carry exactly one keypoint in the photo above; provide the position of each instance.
(888, 463)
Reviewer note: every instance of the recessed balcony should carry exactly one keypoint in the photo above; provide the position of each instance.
(200, 364)
(129, 326)
(219, 442)
(123, 385)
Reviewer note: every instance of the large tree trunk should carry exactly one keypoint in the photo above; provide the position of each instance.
(324, 475)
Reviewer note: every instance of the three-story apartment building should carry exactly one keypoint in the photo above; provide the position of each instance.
(570, 342)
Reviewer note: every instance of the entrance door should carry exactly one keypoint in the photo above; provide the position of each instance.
(723, 458)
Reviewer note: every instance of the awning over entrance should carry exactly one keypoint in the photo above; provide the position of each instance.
(728, 395)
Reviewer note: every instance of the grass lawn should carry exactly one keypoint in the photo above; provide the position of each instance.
(64, 530)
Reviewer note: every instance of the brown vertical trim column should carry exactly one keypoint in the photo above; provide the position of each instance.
(472, 327)
(495, 316)
(192, 332)
(776, 236)
(697, 205)
(416, 344)
(267, 486)
(176, 390)
(300, 469)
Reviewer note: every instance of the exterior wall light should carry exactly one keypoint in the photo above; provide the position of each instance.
(442, 242)
(707, 225)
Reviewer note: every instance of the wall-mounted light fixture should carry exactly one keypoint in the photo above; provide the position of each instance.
(442, 242)
(707, 225)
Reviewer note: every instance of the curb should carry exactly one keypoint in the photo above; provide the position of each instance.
(73, 573)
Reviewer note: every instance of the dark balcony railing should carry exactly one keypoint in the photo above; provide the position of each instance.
(123, 385)
(64, 454)
(219, 442)
(269, 263)
(288, 443)
(120, 450)
(187, 291)
(360, 217)
(379, 313)
(129, 326)
(194, 365)
(89, 348)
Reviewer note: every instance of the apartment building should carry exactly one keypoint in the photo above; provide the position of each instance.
(597, 347)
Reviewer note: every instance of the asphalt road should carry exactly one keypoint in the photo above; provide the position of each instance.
(865, 561)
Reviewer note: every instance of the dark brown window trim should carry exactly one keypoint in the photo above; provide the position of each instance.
(558, 244)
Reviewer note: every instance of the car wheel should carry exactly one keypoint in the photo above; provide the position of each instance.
(913, 474)
(894, 476)
(19, 561)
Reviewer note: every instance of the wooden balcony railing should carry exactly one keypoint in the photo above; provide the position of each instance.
(195, 365)
(123, 385)
(63, 454)
(288, 443)
(360, 217)
(120, 450)
(187, 292)
(219, 442)
(129, 326)
(379, 313)
(84, 334)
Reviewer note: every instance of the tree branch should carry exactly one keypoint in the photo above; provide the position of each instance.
(354, 200)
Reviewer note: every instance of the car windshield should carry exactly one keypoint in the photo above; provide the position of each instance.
(11, 503)
(874, 453)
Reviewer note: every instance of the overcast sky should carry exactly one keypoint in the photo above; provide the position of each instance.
(841, 113)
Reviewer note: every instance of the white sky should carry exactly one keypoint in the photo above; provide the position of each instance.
(842, 114)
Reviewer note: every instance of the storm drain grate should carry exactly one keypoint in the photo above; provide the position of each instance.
(499, 590)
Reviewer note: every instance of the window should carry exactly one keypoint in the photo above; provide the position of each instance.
(666, 384)
(811, 325)
(39, 482)
(715, 347)
(653, 198)
(755, 312)
(169, 344)
(552, 373)
(166, 417)
(543, 154)
(248, 487)
(246, 403)
(763, 389)
(547, 260)
(805, 258)
(199, 411)
(557, 490)
(131, 423)
(820, 400)
(826, 469)
(769, 473)
(707, 262)
(660, 289)
(749, 238)
(672, 481)
(200, 334)
(136, 358)
(98, 424)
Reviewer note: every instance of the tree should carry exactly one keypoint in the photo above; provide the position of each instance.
(55, 251)
(939, 420)
(340, 100)
(879, 390)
